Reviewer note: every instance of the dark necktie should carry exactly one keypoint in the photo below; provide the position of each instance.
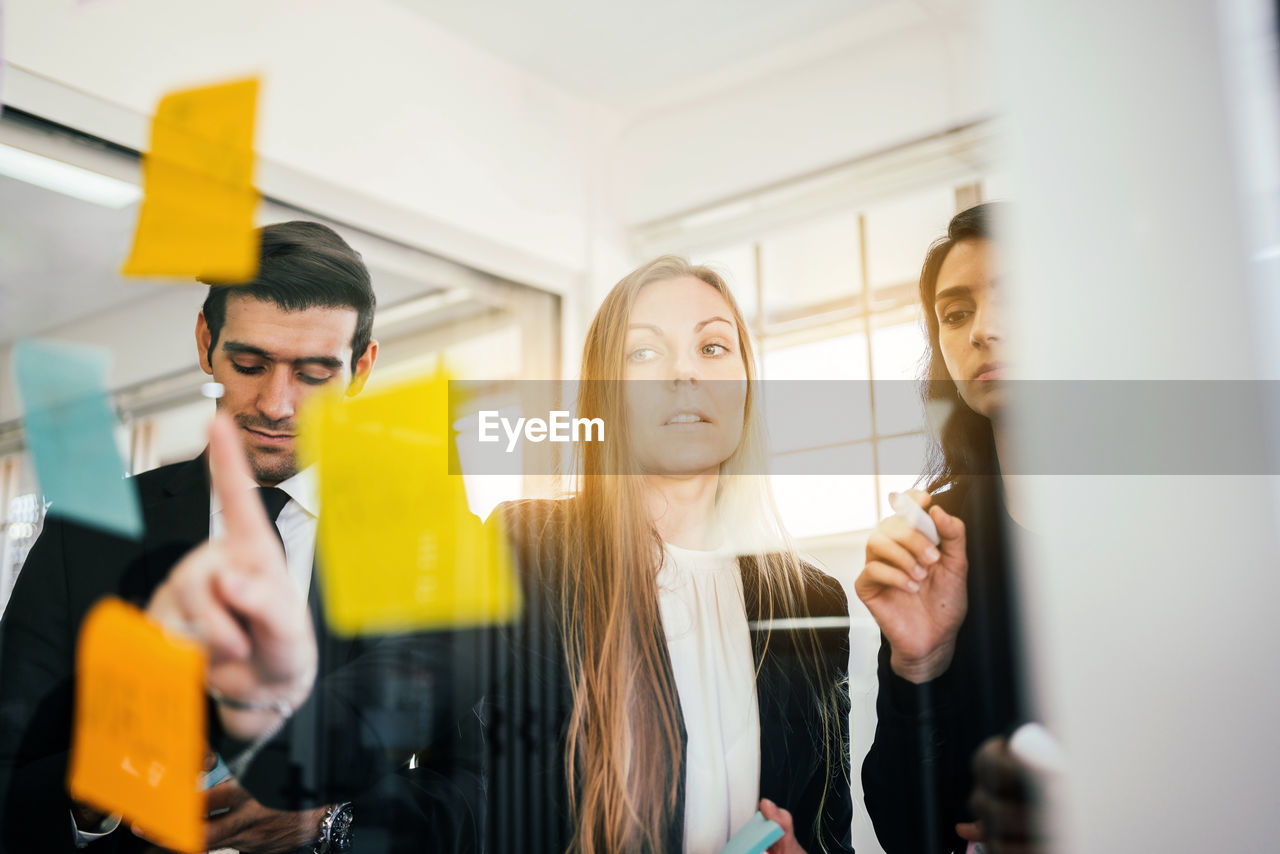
(273, 500)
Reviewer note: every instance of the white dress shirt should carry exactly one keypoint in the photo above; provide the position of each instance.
(296, 523)
(705, 620)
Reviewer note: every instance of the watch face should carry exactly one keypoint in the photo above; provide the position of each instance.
(340, 829)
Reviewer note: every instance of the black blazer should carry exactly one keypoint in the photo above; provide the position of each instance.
(70, 567)
(917, 777)
(524, 718)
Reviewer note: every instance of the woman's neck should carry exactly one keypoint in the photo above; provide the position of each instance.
(683, 509)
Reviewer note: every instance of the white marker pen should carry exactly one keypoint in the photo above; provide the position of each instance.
(903, 505)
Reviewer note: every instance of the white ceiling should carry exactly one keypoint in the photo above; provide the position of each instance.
(622, 53)
(59, 259)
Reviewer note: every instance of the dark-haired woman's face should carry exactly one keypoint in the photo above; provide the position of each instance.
(967, 305)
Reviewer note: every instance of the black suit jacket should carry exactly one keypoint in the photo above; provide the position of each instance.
(525, 715)
(72, 566)
(69, 568)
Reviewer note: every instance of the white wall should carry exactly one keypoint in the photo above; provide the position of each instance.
(902, 77)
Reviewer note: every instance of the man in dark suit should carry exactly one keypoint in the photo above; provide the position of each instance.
(303, 324)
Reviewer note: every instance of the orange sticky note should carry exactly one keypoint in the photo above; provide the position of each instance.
(398, 545)
(197, 210)
(139, 740)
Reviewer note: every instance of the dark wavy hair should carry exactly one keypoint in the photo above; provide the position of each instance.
(302, 265)
(965, 444)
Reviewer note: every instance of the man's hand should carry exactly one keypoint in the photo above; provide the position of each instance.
(1005, 802)
(915, 591)
(87, 818)
(248, 826)
(787, 844)
(236, 597)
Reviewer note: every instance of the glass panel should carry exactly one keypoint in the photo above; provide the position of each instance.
(812, 505)
(737, 265)
(899, 233)
(902, 462)
(809, 265)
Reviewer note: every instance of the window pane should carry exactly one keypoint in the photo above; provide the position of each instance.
(793, 375)
(899, 232)
(737, 265)
(897, 356)
(902, 461)
(840, 357)
(810, 265)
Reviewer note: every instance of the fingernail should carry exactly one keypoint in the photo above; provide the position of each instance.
(892, 496)
(766, 802)
(918, 572)
(932, 555)
(913, 587)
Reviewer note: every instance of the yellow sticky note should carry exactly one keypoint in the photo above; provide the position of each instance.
(197, 210)
(399, 548)
(139, 740)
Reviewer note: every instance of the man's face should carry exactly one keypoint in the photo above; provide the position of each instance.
(268, 361)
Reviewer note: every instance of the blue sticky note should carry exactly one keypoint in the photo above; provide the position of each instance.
(70, 431)
(754, 836)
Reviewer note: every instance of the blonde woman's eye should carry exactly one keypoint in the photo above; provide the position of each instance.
(643, 354)
(714, 350)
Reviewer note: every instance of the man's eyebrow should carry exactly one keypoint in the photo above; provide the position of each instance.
(323, 361)
(952, 292)
(331, 362)
(246, 349)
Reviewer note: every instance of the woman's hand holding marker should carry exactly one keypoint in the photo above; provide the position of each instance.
(914, 586)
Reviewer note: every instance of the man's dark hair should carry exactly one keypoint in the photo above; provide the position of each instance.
(303, 265)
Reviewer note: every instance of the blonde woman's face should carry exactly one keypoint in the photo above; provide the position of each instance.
(687, 384)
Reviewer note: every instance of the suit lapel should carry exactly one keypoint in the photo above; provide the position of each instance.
(176, 519)
(772, 692)
(675, 828)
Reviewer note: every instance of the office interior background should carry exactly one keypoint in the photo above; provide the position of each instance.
(500, 165)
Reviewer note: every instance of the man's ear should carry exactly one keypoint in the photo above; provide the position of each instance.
(204, 340)
(364, 366)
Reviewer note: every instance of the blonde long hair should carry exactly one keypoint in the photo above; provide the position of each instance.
(623, 749)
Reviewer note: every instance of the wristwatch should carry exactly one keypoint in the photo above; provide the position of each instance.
(335, 830)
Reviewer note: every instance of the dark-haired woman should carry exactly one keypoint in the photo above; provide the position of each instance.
(948, 669)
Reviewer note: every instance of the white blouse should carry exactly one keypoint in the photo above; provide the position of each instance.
(705, 619)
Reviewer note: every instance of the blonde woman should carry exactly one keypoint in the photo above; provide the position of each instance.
(655, 702)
